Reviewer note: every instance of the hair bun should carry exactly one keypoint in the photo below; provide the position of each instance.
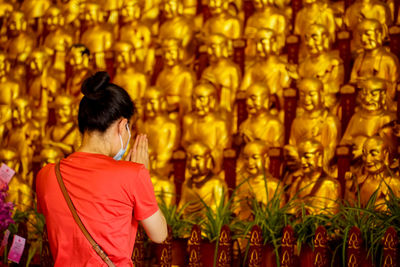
(93, 87)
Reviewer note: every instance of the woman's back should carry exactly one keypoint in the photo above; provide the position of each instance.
(110, 197)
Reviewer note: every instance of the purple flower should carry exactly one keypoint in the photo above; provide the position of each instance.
(5, 209)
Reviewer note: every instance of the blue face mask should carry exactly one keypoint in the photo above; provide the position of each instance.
(122, 151)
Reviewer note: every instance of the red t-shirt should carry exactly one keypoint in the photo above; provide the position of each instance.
(110, 198)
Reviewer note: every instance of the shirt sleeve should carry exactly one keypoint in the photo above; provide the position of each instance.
(143, 193)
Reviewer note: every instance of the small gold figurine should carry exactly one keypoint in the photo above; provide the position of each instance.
(371, 117)
(50, 154)
(177, 26)
(64, 134)
(222, 21)
(98, 37)
(58, 41)
(19, 45)
(367, 9)
(375, 175)
(10, 90)
(314, 12)
(261, 124)
(269, 67)
(253, 181)
(136, 32)
(266, 15)
(175, 79)
(313, 187)
(163, 133)
(204, 124)
(315, 121)
(375, 60)
(79, 60)
(20, 191)
(202, 183)
(127, 76)
(222, 72)
(322, 63)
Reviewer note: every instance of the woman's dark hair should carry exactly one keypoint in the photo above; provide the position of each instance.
(102, 104)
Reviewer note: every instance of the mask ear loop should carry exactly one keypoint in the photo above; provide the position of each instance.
(129, 138)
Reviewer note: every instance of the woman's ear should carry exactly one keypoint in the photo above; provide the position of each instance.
(122, 125)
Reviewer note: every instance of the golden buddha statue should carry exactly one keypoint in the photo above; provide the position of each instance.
(315, 121)
(222, 21)
(371, 117)
(20, 192)
(178, 27)
(78, 59)
(367, 9)
(318, 191)
(98, 37)
(314, 12)
(175, 79)
(202, 183)
(269, 68)
(71, 10)
(322, 63)
(164, 188)
(127, 76)
(266, 15)
(24, 129)
(10, 90)
(375, 60)
(35, 11)
(5, 11)
(19, 45)
(163, 133)
(111, 10)
(253, 181)
(261, 124)
(50, 154)
(222, 72)
(39, 67)
(151, 13)
(64, 134)
(57, 41)
(374, 176)
(204, 124)
(136, 32)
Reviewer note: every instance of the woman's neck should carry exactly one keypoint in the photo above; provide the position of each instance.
(95, 143)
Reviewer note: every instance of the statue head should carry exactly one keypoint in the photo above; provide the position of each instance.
(309, 2)
(199, 161)
(124, 54)
(172, 51)
(267, 43)
(54, 18)
(21, 112)
(154, 102)
(4, 64)
(204, 98)
(217, 47)
(375, 154)
(172, 8)
(255, 156)
(17, 23)
(10, 157)
(50, 155)
(310, 90)
(311, 154)
(217, 6)
(79, 56)
(93, 14)
(373, 94)
(64, 108)
(131, 11)
(317, 39)
(38, 60)
(260, 4)
(257, 98)
(371, 34)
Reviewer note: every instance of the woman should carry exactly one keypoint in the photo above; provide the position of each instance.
(110, 196)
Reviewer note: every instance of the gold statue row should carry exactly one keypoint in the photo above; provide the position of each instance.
(43, 65)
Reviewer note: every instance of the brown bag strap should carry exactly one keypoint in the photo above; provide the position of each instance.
(95, 246)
